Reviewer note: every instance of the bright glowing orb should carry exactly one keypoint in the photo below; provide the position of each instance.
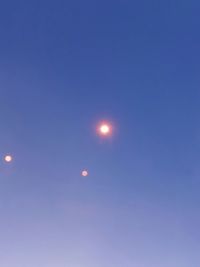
(84, 173)
(104, 129)
(8, 158)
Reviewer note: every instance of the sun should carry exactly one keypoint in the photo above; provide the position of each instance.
(104, 129)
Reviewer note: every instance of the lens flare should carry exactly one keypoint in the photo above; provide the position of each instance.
(84, 173)
(8, 158)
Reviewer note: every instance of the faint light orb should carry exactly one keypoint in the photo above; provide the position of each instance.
(84, 173)
(8, 158)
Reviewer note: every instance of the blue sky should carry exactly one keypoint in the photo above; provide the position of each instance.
(66, 65)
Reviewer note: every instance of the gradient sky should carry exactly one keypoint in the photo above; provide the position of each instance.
(65, 65)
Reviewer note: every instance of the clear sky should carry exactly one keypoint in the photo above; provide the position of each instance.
(66, 65)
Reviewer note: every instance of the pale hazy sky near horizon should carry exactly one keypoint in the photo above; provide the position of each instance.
(66, 65)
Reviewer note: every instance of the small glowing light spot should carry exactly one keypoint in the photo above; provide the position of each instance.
(105, 129)
(84, 173)
(8, 158)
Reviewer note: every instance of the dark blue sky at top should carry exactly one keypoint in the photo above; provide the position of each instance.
(64, 66)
